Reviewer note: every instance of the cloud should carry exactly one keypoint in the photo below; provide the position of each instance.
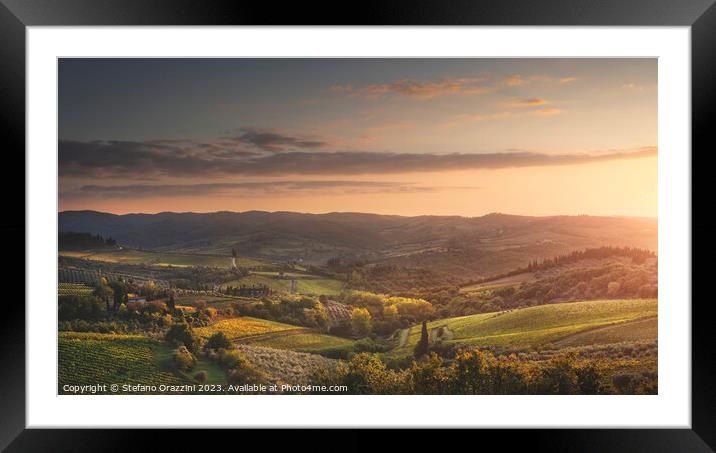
(545, 112)
(516, 80)
(142, 160)
(261, 188)
(633, 87)
(466, 119)
(147, 159)
(525, 102)
(416, 89)
(274, 141)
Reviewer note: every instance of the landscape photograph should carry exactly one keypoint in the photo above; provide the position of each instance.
(373, 226)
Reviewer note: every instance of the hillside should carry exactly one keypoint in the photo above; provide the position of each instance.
(463, 245)
(542, 325)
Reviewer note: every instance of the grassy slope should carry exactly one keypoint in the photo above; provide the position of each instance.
(91, 358)
(132, 256)
(537, 325)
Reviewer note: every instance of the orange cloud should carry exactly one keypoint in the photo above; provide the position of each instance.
(545, 112)
(518, 80)
(525, 102)
(416, 89)
(515, 80)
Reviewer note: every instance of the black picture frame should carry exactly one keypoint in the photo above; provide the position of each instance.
(16, 15)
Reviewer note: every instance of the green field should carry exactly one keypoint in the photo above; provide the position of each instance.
(541, 325)
(133, 256)
(305, 283)
(236, 328)
(92, 358)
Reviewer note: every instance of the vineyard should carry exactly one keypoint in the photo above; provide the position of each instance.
(133, 256)
(92, 277)
(304, 283)
(303, 342)
(74, 289)
(90, 358)
(541, 325)
(235, 328)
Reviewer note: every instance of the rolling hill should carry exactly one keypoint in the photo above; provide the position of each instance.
(576, 323)
(464, 245)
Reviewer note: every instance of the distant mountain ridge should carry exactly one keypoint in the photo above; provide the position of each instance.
(448, 242)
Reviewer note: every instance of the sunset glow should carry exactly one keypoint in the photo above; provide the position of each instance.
(400, 136)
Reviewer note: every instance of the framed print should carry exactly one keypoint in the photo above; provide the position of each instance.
(381, 226)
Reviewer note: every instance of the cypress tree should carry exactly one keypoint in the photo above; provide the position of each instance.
(422, 347)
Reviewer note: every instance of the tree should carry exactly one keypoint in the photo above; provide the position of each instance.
(390, 313)
(149, 289)
(219, 340)
(181, 333)
(171, 304)
(104, 292)
(79, 307)
(360, 322)
(422, 347)
(120, 293)
(184, 359)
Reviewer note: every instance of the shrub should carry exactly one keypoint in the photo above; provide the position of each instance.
(627, 383)
(370, 345)
(79, 307)
(366, 374)
(219, 340)
(360, 322)
(182, 334)
(201, 377)
(241, 370)
(155, 306)
(429, 377)
(232, 359)
(184, 359)
(342, 329)
(134, 307)
(559, 377)
(247, 375)
(588, 380)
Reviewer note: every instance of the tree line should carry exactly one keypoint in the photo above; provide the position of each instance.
(71, 239)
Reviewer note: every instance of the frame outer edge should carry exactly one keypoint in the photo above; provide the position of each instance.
(703, 98)
(12, 223)
(12, 117)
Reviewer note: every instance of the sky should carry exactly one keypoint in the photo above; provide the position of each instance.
(411, 137)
